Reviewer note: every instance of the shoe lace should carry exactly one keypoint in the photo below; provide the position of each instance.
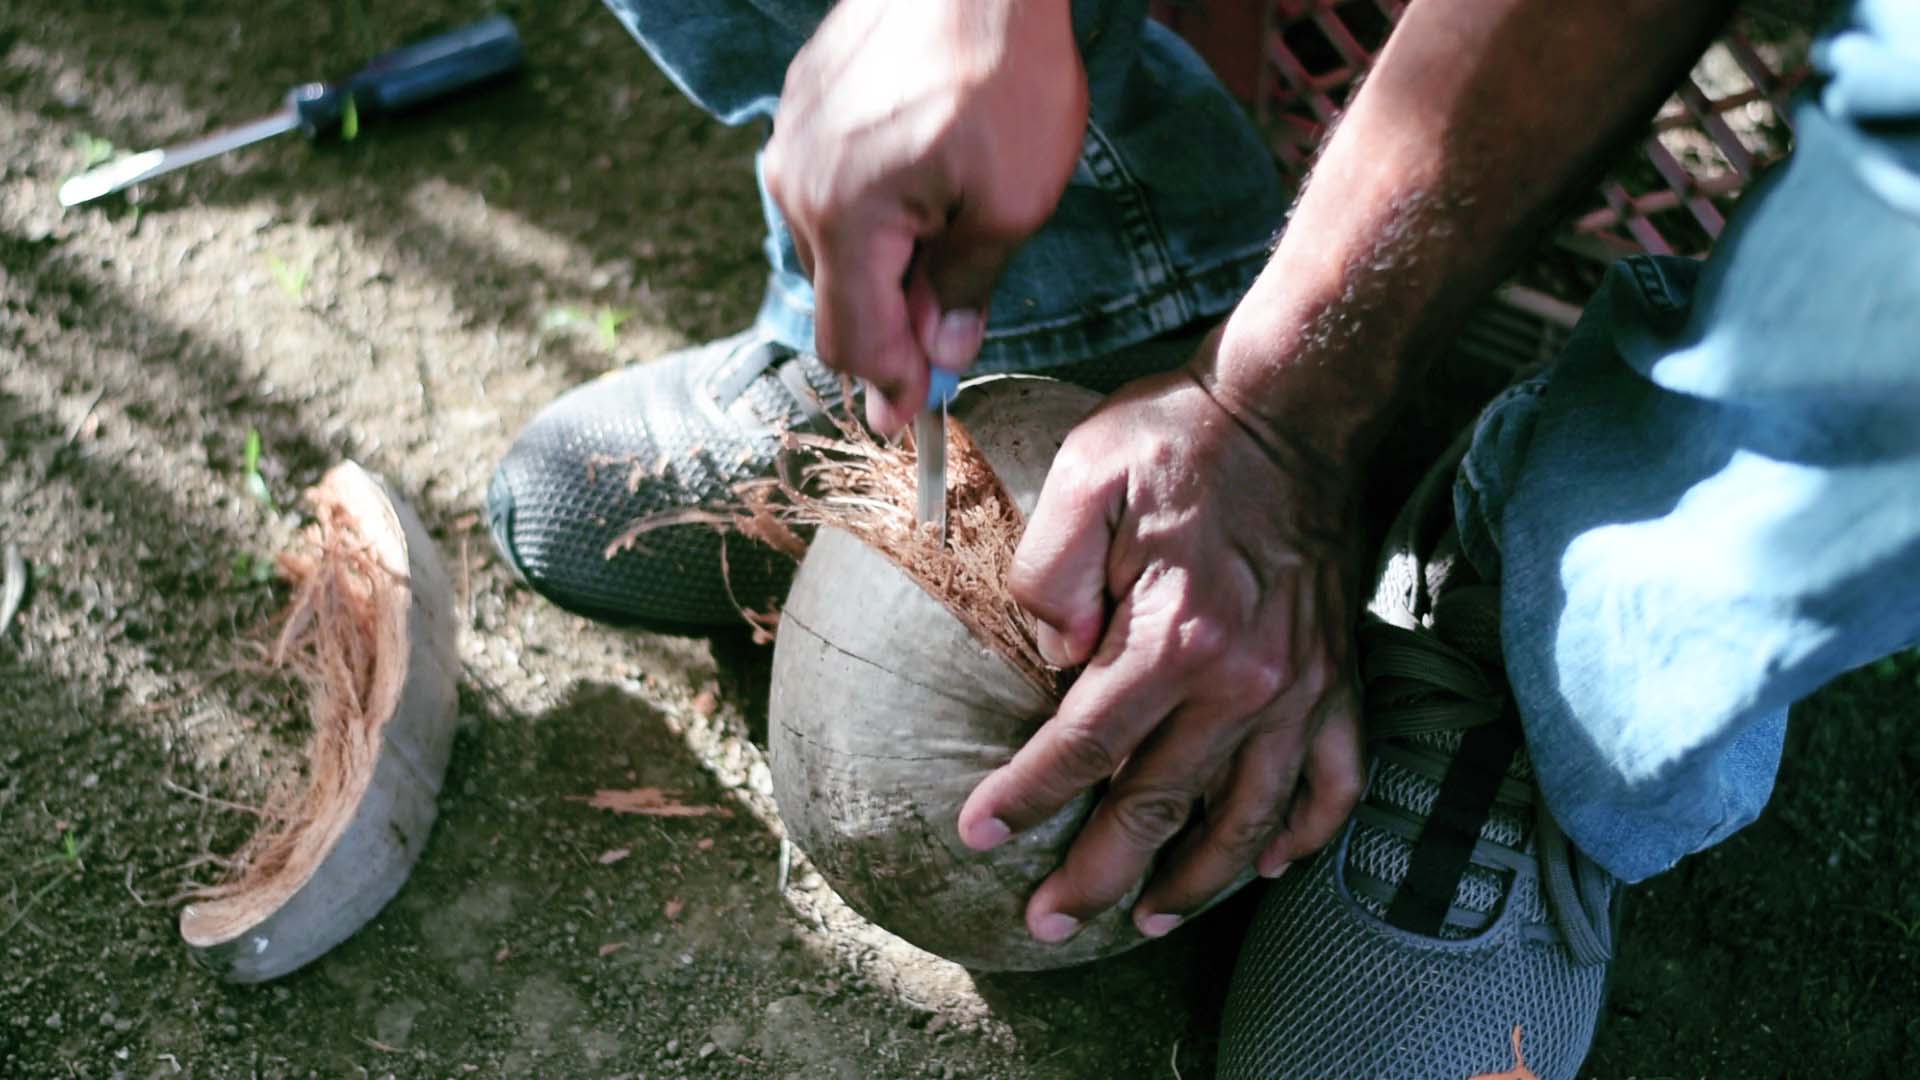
(1419, 684)
(765, 357)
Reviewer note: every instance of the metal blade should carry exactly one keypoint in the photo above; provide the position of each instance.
(930, 475)
(128, 171)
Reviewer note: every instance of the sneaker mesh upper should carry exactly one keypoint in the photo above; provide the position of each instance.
(1326, 987)
(646, 440)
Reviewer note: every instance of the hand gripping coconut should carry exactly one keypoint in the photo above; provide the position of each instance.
(903, 674)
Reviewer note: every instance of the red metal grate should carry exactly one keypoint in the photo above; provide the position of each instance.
(1723, 124)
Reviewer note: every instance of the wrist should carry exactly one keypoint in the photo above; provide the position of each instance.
(1319, 374)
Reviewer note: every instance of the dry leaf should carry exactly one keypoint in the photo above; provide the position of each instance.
(612, 947)
(608, 858)
(674, 907)
(705, 702)
(501, 956)
(705, 844)
(1519, 1070)
(650, 801)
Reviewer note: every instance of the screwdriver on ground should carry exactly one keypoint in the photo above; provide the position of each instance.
(412, 75)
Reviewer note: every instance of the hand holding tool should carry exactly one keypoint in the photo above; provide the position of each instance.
(406, 77)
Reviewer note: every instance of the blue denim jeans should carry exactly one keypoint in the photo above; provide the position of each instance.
(1710, 505)
(1168, 217)
(1708, 508)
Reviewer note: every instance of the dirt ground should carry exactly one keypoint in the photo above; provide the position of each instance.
(407, 300)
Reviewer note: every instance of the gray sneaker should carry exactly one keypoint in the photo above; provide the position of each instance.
(672, 434)
(1451, 912)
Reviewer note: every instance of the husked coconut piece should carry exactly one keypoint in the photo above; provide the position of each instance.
(372, 634)
(887, 707)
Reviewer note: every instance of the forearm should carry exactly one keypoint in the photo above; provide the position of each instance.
(1477, 122)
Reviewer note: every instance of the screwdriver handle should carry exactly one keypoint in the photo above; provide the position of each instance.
(413, 74)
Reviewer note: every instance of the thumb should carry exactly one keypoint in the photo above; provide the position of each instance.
(957, 272)
(1059, 571)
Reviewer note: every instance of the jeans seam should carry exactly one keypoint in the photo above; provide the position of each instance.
(1146, 247)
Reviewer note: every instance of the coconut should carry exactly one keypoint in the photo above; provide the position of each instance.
(371, 633)
(903, 674)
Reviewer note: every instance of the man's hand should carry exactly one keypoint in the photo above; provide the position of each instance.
(916, 147)
(1200, 568)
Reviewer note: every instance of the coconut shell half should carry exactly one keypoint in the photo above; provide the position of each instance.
(885, 712)
(359, 840)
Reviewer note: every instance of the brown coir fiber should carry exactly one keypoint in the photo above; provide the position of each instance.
(853, 482)
(330, 639)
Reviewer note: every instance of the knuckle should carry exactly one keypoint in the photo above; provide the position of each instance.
(818, 209)
(1202, 639)
(773, 168)
(1149, 817)
(1343, 787)
(1259, 679)
(1241, 838)
(1019, 221)
(1085, 757)
(1077, 451)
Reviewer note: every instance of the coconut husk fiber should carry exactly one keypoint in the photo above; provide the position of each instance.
(370, 636)
(903, 673)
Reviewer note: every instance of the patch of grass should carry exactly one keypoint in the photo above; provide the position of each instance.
(70, 866)
(604, 322)
(1895, 665)
(349, 121)
(251, 569)
(291, 279)
(93, 150)
(69, 853)
(250, 469)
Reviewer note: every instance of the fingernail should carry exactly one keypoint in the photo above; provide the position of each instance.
(1053, 647)
(988, 834)
(1274, 868)
(1055, 927)
(957, 339)
(1157, 926)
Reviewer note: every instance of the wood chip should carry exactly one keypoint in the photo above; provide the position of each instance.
(608, 858)
(674, 907)
(650, 801)
(1519, 1070)
(612, 947)
(705, 844)
(501, 956)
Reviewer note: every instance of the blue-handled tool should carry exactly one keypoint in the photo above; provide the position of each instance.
(930, 446)
(406, 77)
